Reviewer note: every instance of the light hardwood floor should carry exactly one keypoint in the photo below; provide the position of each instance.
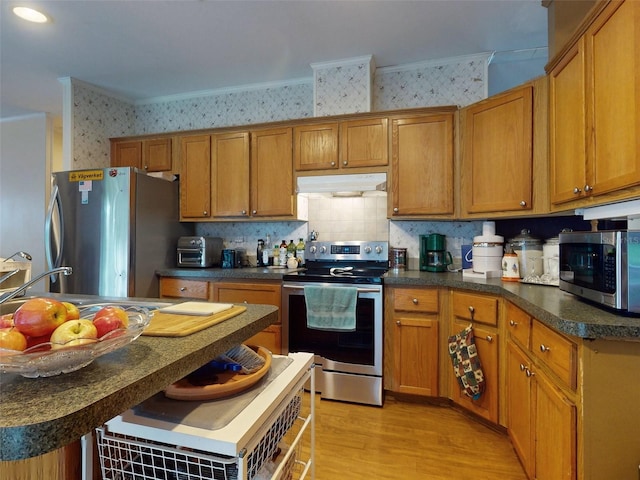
(407, 441)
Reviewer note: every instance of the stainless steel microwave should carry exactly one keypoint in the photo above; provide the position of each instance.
(603, 267)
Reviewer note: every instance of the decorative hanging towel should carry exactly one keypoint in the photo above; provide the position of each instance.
(466, 363)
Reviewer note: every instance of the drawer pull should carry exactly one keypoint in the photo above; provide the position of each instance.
(183, 289)
(512, 323)
(489, 338)
(472, 311)
(415, 301)
(529, 373)
(544, 348)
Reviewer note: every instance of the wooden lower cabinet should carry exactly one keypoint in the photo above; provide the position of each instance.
(412, 338)
(265, 293)
(482, 312)
(182, 288)
(64, 463)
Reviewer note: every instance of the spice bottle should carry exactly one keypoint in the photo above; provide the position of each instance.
(260, 253)
(300, 252)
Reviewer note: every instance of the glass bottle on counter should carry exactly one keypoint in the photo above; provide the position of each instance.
(291, 249)
(282, 255)
(259, 253)
(300, 252)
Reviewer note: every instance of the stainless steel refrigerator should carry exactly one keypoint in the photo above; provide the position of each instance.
(114, 227)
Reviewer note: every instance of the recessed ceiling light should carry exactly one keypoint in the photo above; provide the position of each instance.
(30, 14)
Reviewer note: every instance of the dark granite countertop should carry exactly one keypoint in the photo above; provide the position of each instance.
(42, 414)
(558, 309)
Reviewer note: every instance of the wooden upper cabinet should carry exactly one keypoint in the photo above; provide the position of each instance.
(272, 193)
(126, 153)
(422, 166)
(613, 107)
(364, 143)
(345, 144)
(230, 164)
(195, 176)
(567, 126)
(152, 155)
(497, 157)
(157, 155)
(316, 146)
(595, 112)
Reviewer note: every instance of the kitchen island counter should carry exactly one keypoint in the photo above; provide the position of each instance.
(43, 414)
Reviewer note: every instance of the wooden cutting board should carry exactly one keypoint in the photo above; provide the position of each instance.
(174, 325)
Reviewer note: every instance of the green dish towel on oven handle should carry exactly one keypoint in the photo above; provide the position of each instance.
(466, 363)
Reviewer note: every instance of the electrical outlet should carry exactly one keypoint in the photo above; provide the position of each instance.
(238, 240)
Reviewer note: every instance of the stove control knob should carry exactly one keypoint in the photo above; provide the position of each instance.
(323, 249)
(367, 249)
(378, 249)
(312, 249)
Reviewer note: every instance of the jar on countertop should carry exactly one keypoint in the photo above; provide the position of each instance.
(551, 257)
(529, 251)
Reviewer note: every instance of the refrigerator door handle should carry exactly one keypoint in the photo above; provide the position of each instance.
(53, 231)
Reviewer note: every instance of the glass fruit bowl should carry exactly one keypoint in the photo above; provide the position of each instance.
(44, 361)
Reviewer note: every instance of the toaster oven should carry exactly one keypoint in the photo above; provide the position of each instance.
(199, 252)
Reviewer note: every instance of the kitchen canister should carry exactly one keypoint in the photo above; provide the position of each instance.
(529, 251)
(397, 258)
(551, 257)
(488, 250)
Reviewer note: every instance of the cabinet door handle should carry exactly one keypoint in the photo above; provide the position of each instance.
(523, 203)
(588, 188)
(529, 373)
(333, 164)
(544, 348)
(415, 301)
(513, 323)
(522, 367)
(395, 209)
(345, 162)
(472, 311)
(244, 212)
(254, 212)
(183, 289)
(576, 190)
(398, 323)
(205, 213)
(489, 338)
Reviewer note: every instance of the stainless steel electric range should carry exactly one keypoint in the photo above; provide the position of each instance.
(348, 364)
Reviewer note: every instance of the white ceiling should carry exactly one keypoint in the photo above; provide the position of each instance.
(142, 49)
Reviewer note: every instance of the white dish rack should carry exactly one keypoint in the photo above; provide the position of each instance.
(14, 280)
(271, 438)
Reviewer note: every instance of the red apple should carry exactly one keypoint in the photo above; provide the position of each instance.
(6, 320)
(113, 310)
(72, 311)
(12, 339)
(33, 341)
(74, 332)
(108, 323)
(39, 316)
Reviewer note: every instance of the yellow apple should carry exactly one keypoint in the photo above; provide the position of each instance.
(72, 311)
(12, 339)
(74, 332)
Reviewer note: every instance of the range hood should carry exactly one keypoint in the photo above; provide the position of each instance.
(365, 182)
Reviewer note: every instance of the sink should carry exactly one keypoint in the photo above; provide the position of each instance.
(85, 301)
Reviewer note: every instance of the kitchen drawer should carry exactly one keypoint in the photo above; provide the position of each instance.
(518, 324)
(180, 288)
(476, 308)
(556, 352)
(416, 300)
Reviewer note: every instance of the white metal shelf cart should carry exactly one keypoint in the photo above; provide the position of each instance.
(272, 437)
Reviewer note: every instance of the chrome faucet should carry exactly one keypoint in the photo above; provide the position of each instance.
(24, 255)
(14, 293)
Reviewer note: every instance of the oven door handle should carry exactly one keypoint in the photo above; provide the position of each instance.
(360, 289)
